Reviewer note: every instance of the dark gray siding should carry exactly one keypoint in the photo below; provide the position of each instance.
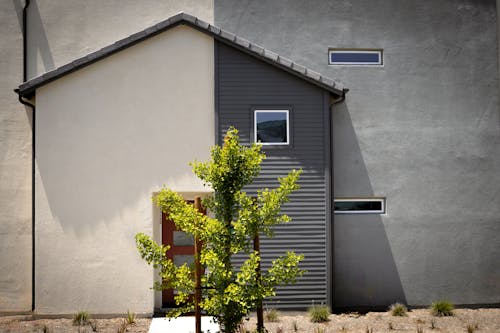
(244, 83)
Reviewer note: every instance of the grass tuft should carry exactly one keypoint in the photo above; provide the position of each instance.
(398, 310)
(272, 316)
(442, 308)
(472, 327)
(81, 318)
(319, 313)
(130, 317)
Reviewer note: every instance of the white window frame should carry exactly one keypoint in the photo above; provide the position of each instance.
(377, 199)
(287, 127)
(349, 63)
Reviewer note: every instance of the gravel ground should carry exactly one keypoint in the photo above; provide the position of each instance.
(25, 324)
(478, 320)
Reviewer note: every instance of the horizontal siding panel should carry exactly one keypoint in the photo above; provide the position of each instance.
(243, 84)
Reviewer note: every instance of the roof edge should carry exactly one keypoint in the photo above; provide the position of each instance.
(29, 87)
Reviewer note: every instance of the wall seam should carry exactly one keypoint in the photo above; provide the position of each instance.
(216, 91)
(328, 198)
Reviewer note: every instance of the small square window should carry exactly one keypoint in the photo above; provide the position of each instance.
(272, 127)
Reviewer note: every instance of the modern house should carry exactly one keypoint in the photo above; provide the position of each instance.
(399, 198)
(115, 125)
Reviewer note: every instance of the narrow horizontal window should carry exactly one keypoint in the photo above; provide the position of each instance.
(355, 57)
(272, 127)
(359, 206)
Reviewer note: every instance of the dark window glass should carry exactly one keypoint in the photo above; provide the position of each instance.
(183, 239)
(181, 259)
(355, 57)
(271, 127)
(375, 206)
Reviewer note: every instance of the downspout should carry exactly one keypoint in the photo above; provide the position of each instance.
(33, 154)
(25, 40)
(332, 245)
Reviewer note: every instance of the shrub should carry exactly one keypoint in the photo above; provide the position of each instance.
(272, 316)
(442, 308)
(81, 318)
(398, 310)
(319, 313)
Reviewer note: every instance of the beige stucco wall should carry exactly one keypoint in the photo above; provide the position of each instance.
(61, 31)
(108, 137)
(15, 171)
(58, 32)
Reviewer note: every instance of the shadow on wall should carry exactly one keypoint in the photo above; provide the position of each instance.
(365, 273)
(38, 43)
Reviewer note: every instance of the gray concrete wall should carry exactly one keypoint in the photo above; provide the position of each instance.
(59, 31)
(498, 37)
(423, 131)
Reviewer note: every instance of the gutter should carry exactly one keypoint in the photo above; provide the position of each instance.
(340, 99)
(25, 102)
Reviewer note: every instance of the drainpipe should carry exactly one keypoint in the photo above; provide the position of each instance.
(332, 245)
(25, 40)
(25, 102)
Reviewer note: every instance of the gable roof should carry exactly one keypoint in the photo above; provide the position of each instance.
(27, 89)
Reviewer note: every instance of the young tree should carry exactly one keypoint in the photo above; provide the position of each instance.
(229, 292)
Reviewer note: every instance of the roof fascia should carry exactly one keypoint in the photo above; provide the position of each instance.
(27, 89)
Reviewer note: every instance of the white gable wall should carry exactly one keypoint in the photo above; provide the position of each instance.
(108, 136)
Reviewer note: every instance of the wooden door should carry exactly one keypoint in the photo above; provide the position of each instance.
(181, 251)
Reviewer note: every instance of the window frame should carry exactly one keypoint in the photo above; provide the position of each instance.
(268, 110)
(380, 53)
(382, 200)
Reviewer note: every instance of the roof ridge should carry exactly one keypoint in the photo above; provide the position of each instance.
(29, 87)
